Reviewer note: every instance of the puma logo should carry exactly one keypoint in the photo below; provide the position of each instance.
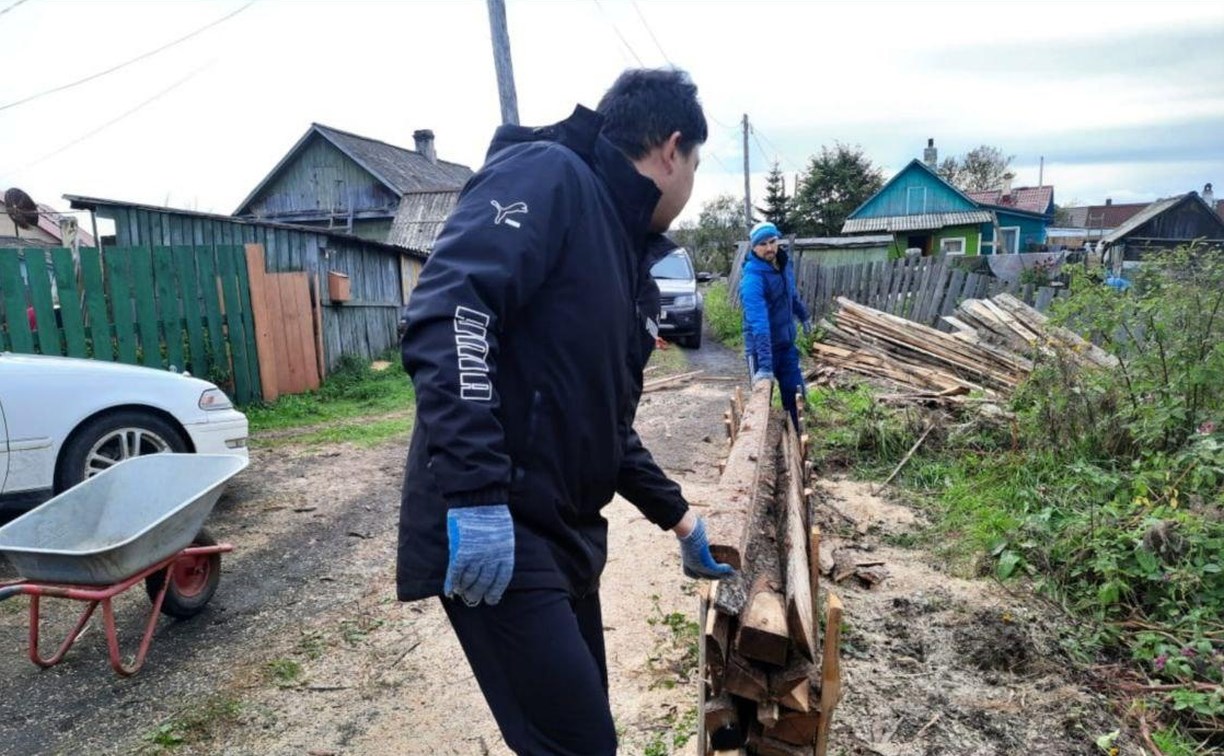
(503, 213)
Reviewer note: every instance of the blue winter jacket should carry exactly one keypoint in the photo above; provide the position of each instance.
(526, 339)
(771, 304)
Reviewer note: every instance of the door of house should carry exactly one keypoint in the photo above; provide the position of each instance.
(919, 241)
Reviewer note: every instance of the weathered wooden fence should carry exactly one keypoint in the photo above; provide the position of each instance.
(185, 307)
(922, 290)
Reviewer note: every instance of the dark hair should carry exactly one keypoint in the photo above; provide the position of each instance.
(645, 106)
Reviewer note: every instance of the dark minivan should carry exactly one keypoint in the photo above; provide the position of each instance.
(680, 320)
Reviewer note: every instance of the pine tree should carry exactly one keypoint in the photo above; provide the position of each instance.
(777, 208)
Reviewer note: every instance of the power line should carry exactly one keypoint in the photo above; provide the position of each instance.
(127, 63)
(14, 5)
(121, 116)
(652, 34)
(616, 29)
(756, 130)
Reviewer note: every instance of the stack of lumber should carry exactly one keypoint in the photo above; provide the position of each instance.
(770, 685)
(991, 349)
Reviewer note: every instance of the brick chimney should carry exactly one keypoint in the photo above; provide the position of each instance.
(1007, 184)
(424, 139)
(1108, 201)
(930, 155)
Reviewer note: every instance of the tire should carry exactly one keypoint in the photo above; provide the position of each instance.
(105, 441)
(192, 584)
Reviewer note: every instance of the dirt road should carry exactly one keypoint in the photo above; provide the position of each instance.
(305, 651)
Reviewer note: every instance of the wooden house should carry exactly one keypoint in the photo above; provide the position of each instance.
(1164, 224)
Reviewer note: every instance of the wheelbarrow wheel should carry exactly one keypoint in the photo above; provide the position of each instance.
(193, 582)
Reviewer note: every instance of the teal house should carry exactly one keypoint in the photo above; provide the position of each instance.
(920, 210)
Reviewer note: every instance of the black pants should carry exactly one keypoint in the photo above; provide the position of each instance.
(539, 659)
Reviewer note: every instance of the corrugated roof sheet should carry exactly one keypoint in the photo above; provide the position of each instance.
(420, 218)
(895, 223)
(1102, 216)
(402, 169)
(843, 242)
(1031, 199)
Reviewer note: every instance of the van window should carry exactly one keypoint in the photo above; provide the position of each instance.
(673, 267)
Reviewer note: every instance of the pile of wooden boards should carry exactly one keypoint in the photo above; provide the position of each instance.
(991, 350)
(770, 685)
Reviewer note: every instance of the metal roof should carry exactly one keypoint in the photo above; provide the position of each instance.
(400, 170)
(1145, 215)
(895, 223)
(1032, 199)
(843, 242)
(420, 218)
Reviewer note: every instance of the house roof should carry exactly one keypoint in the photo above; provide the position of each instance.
(843, 242)
(1151, 211)
(895, 223)
(1103, 216)
(401, 170)
(923, 166)
(420, 218)
(1032, 199)
(49, 220)
(91, 203)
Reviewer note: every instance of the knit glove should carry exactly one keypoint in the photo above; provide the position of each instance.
(481, 547)
(695, 553)
(807, 327)
(761, 375)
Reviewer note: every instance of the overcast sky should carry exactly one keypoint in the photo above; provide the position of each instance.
(1124, 100)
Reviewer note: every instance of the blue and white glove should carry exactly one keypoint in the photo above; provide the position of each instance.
(761, 375)
(481, 547)
(807, 328)
(698, 561)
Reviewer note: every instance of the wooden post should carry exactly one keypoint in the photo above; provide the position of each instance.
(317, 311)
(728, 524)
(830, 673)
(502, 62)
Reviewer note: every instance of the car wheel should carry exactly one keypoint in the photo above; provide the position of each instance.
(110, 439)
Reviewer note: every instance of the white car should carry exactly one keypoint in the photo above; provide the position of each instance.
(63, 420)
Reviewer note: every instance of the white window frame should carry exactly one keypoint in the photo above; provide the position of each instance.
(1002, 231)
(963, 244)
(909, 206)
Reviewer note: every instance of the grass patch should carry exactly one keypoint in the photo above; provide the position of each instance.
(352, 392)
(665, 362)
(195, 725)
(284, 673)
(726, 323)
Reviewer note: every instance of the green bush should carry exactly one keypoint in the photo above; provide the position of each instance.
(726, 323)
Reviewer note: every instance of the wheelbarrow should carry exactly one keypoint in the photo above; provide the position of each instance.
(139, 521)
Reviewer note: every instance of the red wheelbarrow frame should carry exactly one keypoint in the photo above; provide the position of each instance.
(94, 595)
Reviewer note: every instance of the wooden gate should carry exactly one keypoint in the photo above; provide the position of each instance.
(288, 327)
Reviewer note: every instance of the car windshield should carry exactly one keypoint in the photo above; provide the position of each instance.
(673, 267)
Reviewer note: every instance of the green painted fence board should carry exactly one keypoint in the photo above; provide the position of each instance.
(212, 309)
(234, 325)
(189, 284)
(119, 269)
(168, 306)
(44, 307)
(19, 337)
(248, 317)
(70, 302)
(95, 304)
(146, 307)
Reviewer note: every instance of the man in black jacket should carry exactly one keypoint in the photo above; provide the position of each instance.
(526, 340)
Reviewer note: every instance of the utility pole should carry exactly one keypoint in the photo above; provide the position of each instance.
(747, 186)
(501, 61)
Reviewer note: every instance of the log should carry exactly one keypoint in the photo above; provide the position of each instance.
(797, 566)
(814, 576)
(795, 727)
(717, 636)
(791, 686)
(745, 680)
(763, 634)
(830, 672)
(762, 745)
(671, 380)
(721, 716)
(767, 714)
(727, 525)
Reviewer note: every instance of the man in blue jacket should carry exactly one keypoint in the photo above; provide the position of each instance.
(771, 304)
(526, 339)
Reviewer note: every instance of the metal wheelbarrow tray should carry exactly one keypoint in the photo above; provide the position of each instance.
(135, 522)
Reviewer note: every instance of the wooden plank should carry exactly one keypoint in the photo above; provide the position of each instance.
(210, 286)
(722, 723)
(306, 337)
(745, 680)
(939, 286)
(316, 310)
(235, 330)
(1045, 295)
(292, 317)
(830, 672)
(767, 714)
(716, 641)
(796, 728)
(21, 339)
(146, 306)
(280, 341)
(71, 315)
(189, 287)
(48, 334)
(118, 269)
(727, 525)
(261, 312)
(795, 551)
(95, 304)
(814, 579)
(248, 322)
(169, 308)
